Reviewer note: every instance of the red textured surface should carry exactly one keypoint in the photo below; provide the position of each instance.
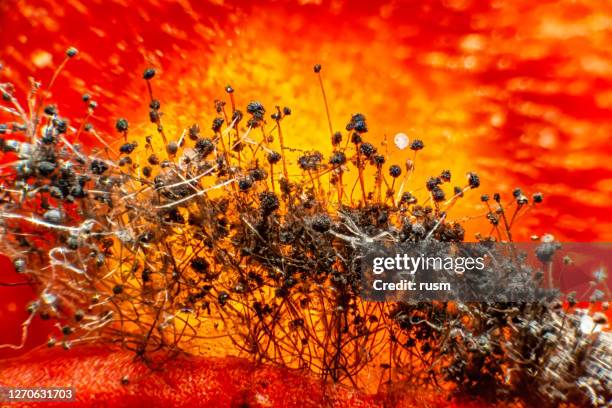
(13, 302)
(183, 382)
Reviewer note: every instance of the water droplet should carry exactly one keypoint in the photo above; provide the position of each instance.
(401, 140)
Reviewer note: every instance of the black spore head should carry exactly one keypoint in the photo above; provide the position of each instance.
(274, 157)
(538, 198)
(71, 52)
(357, 123)
(268, 202)
(395, 171)
(122, 125)
(256, 109)
(148, 73)
(321, 223)
(445, 175)
(417, 145)
(473, 180)
(204, 147)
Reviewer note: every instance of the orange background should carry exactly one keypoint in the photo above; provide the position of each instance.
(518, 91)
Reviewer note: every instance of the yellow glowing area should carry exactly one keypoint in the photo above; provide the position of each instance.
(508, 129)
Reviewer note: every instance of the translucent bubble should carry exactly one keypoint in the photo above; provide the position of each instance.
(401, 140)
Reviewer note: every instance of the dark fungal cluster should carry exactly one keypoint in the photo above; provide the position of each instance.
(156, 242)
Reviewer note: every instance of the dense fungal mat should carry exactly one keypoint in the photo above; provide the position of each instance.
(162, 244)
